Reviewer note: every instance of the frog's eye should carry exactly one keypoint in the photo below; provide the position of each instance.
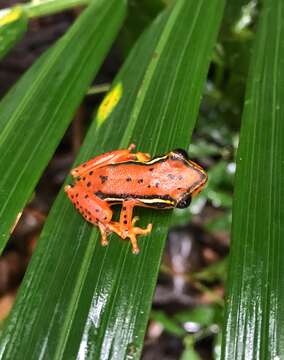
(181, 153)
(184, 202)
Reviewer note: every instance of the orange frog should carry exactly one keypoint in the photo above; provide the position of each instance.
(163, 182)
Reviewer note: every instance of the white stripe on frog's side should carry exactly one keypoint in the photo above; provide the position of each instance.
(156, 159)
(158, 202)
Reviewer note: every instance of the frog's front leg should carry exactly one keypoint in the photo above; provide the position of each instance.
(127, 224)
(92, 208)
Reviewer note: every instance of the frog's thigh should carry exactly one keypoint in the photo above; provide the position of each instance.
(91, 207)
(111, 157)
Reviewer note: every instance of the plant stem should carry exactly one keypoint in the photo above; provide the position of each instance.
(48, 7)
(98, 89)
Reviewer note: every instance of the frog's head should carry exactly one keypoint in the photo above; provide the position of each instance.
(194, 178)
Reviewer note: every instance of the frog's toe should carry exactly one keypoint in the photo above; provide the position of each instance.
(149, 228)
(67, 188)
(104, 232)
(104, 242)
(140, 231)
(133, 236)
(134, 244)
(134, 220)
(135, 250)
(131, 147)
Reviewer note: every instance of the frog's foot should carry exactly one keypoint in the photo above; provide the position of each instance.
(132, 235)
(104, 233)
(127, 224)
(143, 157)
(134, 220)
(131, 147)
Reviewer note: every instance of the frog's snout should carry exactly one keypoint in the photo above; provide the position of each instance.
(184, 202)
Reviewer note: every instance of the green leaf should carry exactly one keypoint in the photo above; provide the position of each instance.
(37, 111)
(13, 25)
(214, 272)
(221, 222)
(14, 21)
(217, 346)
(169, 324)
(255, 296)
(80, 299)
(140, 14)
(189, 352)
(201, 315)
(49, 7)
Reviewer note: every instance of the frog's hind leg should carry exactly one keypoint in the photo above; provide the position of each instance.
(111, 157)
(92, 208)
(127, 224)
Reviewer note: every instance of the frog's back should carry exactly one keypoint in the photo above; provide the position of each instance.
(160, 178)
